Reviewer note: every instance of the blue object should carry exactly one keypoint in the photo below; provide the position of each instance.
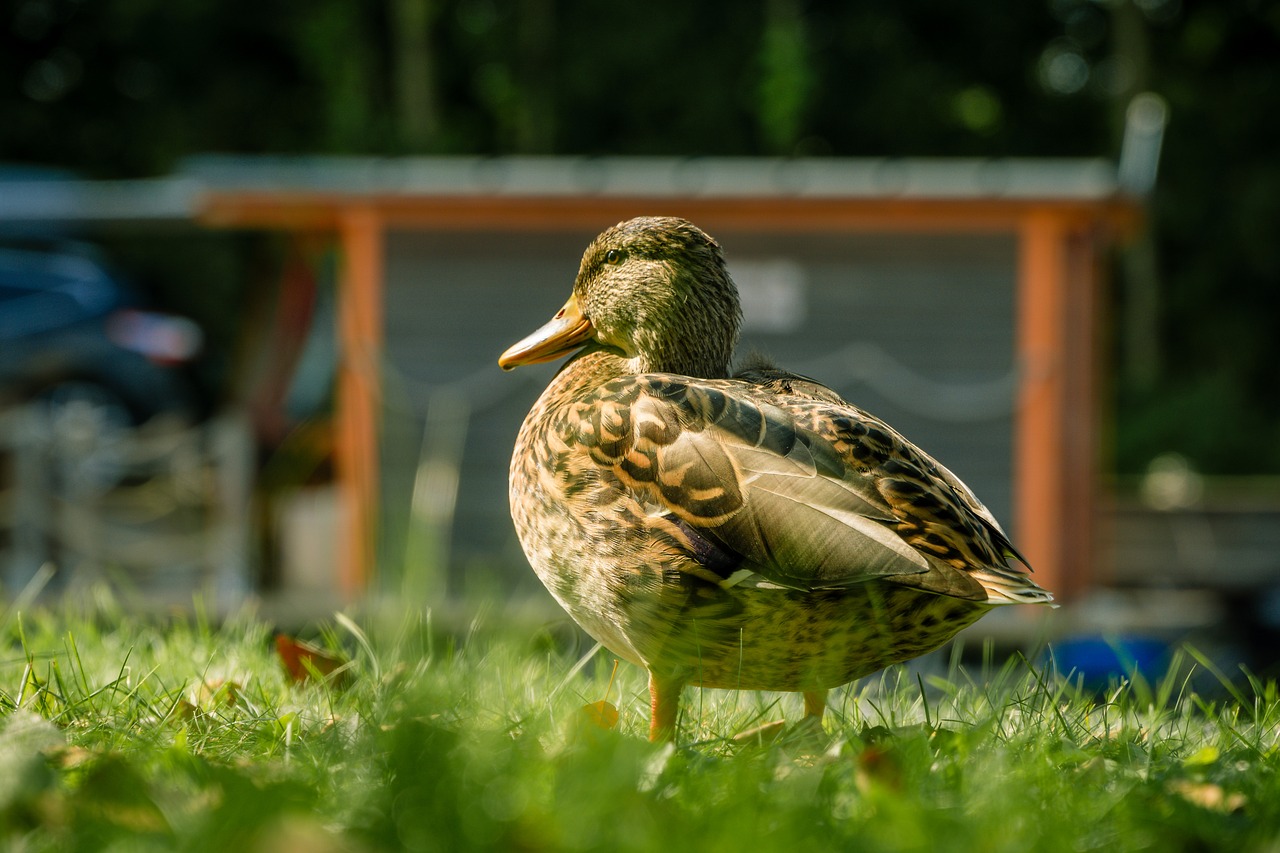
(1100, 659)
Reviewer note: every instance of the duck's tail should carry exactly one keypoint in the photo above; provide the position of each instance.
(1011, 585)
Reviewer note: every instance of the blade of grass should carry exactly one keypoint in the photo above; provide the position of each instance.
(362, 640)
(29, 593)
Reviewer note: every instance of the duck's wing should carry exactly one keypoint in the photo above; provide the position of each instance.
(798, 491)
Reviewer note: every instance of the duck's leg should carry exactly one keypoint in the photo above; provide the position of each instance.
(664, 699)
(815, 704)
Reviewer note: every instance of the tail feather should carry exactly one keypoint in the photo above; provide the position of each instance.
(1010, 585)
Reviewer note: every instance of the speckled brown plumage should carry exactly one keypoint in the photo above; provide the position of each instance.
(754, 531)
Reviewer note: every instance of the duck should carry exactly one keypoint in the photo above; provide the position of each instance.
(742, 529)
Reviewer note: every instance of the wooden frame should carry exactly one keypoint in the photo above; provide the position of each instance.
(1060, 244)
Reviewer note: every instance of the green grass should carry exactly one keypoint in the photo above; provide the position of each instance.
(118, 732)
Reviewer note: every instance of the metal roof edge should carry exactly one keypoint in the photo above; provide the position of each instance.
(173, 199)
(183, 195)
(541, 176)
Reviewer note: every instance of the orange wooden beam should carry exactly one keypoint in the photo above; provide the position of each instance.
(310, 210)
(361, 232)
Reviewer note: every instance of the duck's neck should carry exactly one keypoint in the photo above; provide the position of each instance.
(593, 368)
(589, 370)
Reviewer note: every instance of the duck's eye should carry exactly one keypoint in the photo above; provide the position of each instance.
(613, 257)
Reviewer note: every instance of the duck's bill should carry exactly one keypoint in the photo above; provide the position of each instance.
(567, 331)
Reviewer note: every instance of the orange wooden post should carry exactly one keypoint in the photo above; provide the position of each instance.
(1053, 457)
(1082, 279)
(360, 230)
(1039, 492)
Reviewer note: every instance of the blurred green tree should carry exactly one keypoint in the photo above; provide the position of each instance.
(128, 88)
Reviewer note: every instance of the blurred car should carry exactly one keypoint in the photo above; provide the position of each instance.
(72, 332)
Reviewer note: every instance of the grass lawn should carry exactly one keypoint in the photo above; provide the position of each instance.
(118, 732)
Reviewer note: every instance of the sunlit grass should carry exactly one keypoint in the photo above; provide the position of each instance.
(129, 733)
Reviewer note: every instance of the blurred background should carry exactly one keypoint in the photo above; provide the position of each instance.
(168, 378)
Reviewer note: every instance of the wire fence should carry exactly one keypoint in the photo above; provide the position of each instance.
(158, 510)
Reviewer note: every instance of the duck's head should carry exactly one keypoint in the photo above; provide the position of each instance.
(653, 290)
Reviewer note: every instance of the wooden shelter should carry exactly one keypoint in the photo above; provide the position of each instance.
(1048, 222)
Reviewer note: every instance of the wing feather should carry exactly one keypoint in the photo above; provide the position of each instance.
(807, 490)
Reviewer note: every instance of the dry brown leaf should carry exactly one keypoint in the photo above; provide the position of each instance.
(878, 766)
(219, 691)
(1209, 796)
(603, 714)
(70, 757)
(304, 661)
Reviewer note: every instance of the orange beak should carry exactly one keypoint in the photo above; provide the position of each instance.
(567, 331)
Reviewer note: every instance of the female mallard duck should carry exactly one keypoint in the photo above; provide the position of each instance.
(746, 532)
